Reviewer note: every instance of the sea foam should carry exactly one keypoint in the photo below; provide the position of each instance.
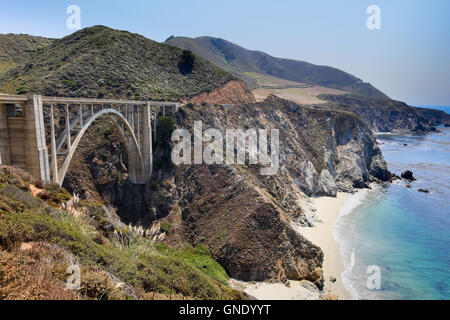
(344, 237)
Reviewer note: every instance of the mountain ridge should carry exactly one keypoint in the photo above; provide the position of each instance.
(293, 77)
(99, 62)
(240, 62)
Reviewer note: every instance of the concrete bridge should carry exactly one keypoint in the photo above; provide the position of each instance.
(24, 140)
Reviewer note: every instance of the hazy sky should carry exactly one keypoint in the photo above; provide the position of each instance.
(408, 59)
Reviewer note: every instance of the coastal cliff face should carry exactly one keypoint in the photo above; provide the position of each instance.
(247, 232)
(388, 115)
(320, 151)
(247, 219)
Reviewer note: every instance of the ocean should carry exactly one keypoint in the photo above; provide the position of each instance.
(398, 235)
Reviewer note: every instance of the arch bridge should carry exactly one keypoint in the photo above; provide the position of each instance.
(25, 120)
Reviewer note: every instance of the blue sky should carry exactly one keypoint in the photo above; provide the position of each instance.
(409, 58)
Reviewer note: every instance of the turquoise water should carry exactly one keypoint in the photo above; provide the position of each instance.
(400, 230)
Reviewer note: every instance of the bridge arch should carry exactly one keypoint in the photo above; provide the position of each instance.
(136, 166)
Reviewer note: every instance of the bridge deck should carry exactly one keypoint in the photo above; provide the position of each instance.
(10, 98)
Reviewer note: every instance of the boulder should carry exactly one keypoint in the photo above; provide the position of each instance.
(424, 190)
(408, 175)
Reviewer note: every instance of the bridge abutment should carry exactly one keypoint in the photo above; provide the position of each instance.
(22, 136)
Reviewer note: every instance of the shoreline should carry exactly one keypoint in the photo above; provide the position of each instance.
(322, 235)
(326, 212)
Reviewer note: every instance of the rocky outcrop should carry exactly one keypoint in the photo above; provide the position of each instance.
(235, 91)
(246, 219)
(408, 175)
(246, 231)
(385, 115)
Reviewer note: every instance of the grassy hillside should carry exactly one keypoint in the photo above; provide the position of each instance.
(254, 66)
(36, 235)
(101, 62)
(17, 48)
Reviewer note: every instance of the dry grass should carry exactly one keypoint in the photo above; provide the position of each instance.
(98, 285)
(14, 176)
(160, 296)
(27, 275)
(299, 95)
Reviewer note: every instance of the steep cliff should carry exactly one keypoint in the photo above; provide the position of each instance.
(388, 115)
(246, 219)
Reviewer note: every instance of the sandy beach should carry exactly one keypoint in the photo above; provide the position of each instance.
(327, 211)
(322, 235)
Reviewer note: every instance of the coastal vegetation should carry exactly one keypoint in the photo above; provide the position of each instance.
(18, 48)
(31, 228)
(99, 62)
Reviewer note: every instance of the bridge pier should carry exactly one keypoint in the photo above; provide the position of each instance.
(55, 174)
(147, 143)
(37, 162)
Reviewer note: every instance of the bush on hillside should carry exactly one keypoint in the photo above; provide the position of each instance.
(186, 64)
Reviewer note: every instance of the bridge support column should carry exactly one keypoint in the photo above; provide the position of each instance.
(36, 152)
(55, 174)
(155, 117)
(147, 148)
(5, 153)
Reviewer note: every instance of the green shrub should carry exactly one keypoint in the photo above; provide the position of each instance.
(56, 195)
(165, 227)
(201, 258)
(22, 90)
(154, 186)
(186, 65)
